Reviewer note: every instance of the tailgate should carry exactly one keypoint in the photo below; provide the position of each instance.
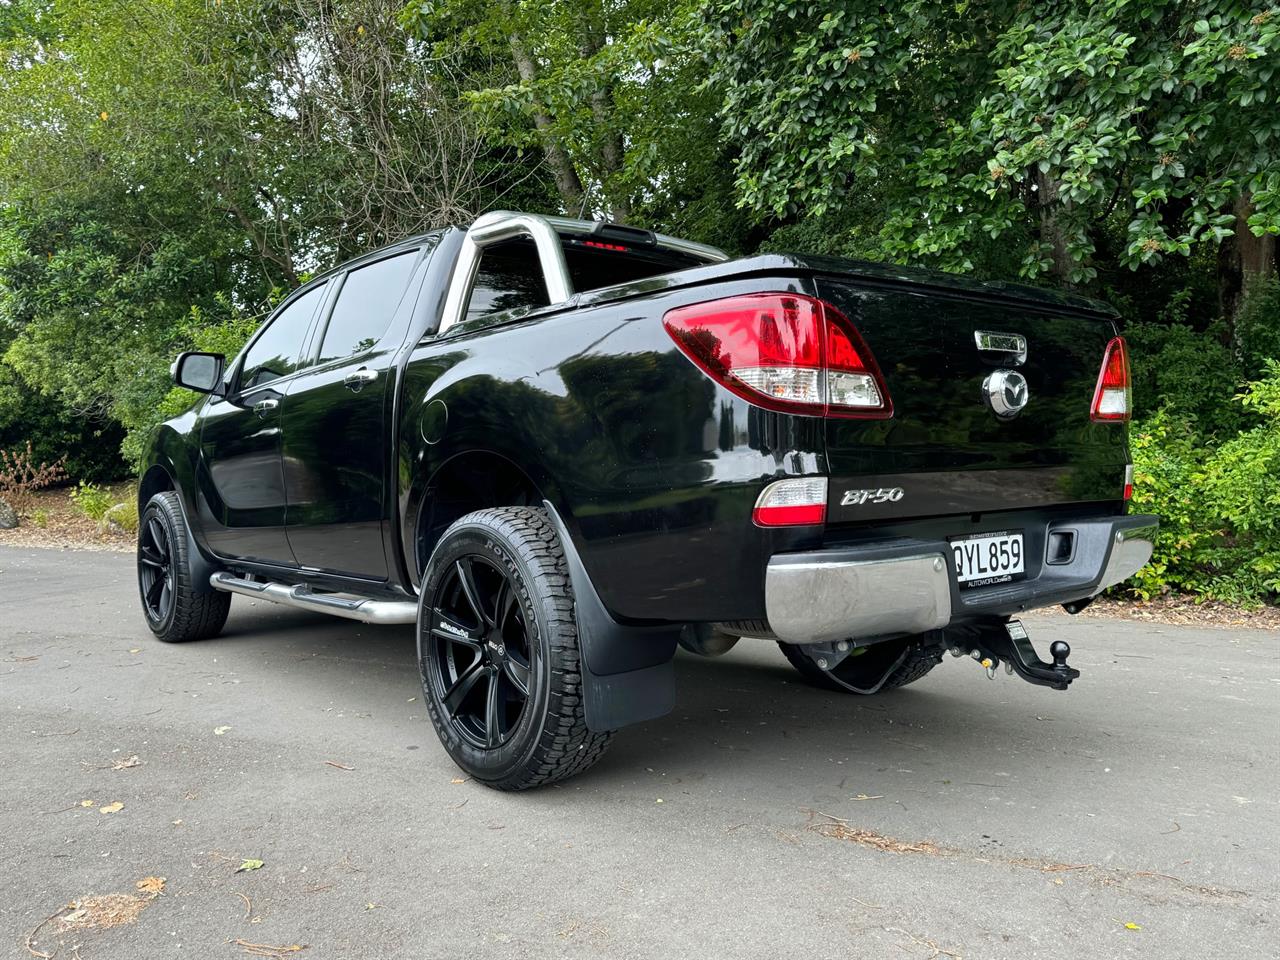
(945, 449)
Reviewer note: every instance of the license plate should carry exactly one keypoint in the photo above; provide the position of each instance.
(987, 558)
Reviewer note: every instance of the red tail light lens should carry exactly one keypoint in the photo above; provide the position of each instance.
(1112, 399)
(785, 352)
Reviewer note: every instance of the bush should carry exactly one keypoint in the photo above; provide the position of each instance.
(22, 474)
(1219, 506)
(92, 500)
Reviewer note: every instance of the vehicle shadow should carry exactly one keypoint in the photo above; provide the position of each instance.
(748, 718)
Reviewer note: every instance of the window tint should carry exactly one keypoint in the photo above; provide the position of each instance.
(275, 353)
(366, 306)
(510, 276)
(591, 268)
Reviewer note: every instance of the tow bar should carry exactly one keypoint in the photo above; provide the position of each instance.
(1008, 643)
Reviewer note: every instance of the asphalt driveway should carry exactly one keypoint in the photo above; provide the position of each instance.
(1136, 815)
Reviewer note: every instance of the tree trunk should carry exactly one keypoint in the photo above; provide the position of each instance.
(1243, 262)
(568, 184)
(1050, 231)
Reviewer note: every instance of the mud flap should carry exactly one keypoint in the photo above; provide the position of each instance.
(627, 673)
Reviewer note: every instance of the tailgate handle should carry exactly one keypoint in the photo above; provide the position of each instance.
(992, 341)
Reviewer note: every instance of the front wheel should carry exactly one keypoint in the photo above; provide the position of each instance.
(174, 610)
(498, 652)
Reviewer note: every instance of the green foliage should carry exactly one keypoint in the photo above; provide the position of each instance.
(1025, 123)
(1219, 507)
(92, 500)
(40, 518)
(1257, 326)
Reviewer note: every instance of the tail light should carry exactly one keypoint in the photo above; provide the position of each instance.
(1128, 482)
(792, 502)
(783, 351)
(1112, 398)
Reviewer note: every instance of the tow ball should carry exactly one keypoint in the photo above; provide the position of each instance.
(1008, 643)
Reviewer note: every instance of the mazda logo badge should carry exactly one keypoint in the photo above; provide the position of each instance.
(1006, 393)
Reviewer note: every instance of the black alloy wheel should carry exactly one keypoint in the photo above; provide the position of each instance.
(155, 569)
(498, 651)
(176, 606)
(483, 659)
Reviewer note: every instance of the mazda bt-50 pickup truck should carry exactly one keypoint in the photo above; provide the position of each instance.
(562, 448)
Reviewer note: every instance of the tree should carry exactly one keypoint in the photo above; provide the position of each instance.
(1043, 125)
(611, 94)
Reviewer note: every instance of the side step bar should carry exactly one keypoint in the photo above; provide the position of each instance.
(366, 610)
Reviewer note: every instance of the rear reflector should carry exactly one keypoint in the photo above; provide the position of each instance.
(1113, 395)
(1128, 482)
(790, 503)
(783, 351)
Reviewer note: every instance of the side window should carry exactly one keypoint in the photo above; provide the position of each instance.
(275, 353)
(366, 306)
(510, 276)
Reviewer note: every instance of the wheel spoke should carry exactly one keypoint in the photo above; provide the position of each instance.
(467, 578)
(492, 732)
(518, 674)
(154, 593)
(447, 628)
(147, 561)
(454, 696)
(502, 603)
(165, 594)
(158, 539)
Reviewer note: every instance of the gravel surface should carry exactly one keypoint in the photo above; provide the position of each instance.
(1135, 815)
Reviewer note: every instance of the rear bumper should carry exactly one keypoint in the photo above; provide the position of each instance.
(907, 585)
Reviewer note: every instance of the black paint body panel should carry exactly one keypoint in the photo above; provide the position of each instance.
(652, 468)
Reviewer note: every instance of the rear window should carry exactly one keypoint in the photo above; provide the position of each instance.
(510, 276)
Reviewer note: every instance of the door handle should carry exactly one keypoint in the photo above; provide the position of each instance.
(263, 407)
(356, 380)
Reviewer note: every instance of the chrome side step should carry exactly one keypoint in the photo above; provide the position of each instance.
(364, 610)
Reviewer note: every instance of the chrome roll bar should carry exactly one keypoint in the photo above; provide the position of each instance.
(499, 225)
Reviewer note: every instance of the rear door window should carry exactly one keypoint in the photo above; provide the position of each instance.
(366, 306)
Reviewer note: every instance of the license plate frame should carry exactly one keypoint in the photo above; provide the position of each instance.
(977, 559)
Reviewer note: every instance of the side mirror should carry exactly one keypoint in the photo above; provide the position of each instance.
(201, 372)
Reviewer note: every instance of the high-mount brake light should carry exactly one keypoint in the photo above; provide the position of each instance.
(618, 248)
(1112, 399)
(796, 501)
(783, 351)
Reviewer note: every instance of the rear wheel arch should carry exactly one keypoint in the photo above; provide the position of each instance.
(464, 483)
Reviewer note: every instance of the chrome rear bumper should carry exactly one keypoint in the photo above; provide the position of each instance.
(907, 586)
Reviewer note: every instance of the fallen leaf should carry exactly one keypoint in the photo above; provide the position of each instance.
(1128, 924)
(457, 780)
(659, 800)
(153, 885)
(219, 731)
(247, 865)
(112, 807)
(372, 906)
(135, 650)
(87, 803)
(126, 763)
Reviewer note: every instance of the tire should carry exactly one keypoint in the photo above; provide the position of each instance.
(495, 615)
(859, 672)
(170, 604)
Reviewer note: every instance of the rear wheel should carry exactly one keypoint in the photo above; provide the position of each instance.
(498, 651)
(173, 609)
(890, 664)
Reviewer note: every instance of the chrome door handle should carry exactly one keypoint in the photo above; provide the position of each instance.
(263, 407)
(356, 380)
